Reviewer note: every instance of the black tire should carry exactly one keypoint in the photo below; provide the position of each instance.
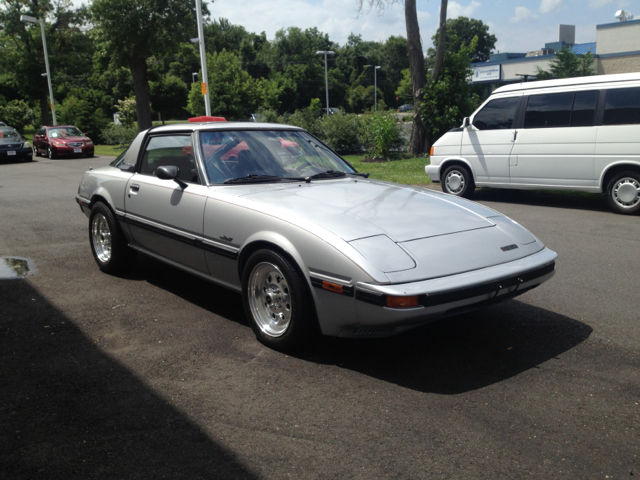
(277, 301)
(457, 180)
(108, 243)
(89, 155)
(623, 192)
(50, 153)
(36, 152)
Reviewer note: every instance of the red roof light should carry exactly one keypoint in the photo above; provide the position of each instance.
(206, 118)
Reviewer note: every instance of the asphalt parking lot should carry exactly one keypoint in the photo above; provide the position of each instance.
(157, 375)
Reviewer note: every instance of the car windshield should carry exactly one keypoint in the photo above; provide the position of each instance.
(258, 155)
(9, 133)
(65, 132)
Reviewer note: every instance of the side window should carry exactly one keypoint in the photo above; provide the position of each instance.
(168, 150)
(549, 110)
(622, 106)
(497, 114)
(584, 109)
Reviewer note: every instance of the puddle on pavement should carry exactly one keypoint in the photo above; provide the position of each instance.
(15, 267)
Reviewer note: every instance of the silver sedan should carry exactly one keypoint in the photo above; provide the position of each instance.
(311, 244)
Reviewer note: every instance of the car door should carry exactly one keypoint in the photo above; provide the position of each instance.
(38, 140)
(556, 144)
(488, 140)
(165, 217)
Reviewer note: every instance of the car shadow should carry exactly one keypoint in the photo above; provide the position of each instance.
(68, 410)
(458, 354)
(206, 295)
(451, 356)
(544, 198)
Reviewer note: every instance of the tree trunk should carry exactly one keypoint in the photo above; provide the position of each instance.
(417, 143)
(44, 108)
(138, 67)
(442, 42)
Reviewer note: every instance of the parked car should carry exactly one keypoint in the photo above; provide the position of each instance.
(2, 124)
(13, 146)
(331, 111)
(254, 117)
(573, 134)
(405, 108)
(62, 140)
(308, 241)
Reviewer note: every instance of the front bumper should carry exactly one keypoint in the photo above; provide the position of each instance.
(446, 296)
(18, 154)
(434, 172)
(69, 151)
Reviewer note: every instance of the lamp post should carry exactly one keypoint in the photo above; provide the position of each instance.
(27, 18)
(326, 75)
(194, 75)
(203, 59)
(375, 86)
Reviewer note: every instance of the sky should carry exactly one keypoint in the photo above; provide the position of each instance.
(519, 25)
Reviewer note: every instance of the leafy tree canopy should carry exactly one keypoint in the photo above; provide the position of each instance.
(461, 31)
(567, 64)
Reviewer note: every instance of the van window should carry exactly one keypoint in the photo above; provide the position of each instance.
(584, 109)
(497, 114)
(549, 110)
(622, 106)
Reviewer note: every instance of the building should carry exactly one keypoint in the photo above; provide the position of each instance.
(616, 50)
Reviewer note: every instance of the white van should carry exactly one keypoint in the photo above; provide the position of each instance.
(575, 134)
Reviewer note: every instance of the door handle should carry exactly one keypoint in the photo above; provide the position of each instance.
(134, 189)
(515, 135)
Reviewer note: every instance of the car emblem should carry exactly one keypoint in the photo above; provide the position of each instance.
(509, 247)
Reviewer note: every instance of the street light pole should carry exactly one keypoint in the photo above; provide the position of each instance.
(27, 18)
(326, 75)
(203, 58)
(375, 86)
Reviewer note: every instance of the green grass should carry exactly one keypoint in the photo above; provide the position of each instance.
(409, 171)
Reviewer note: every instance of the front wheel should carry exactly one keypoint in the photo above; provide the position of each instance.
(108, 244)
(457, 180)
(277, 301)
(50, 153)
(623, 193)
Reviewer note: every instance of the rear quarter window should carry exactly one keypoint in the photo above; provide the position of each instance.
(622, 106)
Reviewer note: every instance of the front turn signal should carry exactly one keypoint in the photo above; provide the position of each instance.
(402, 302)
(431, 152)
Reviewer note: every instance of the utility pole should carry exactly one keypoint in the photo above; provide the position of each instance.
(203, 58)
(326, 74)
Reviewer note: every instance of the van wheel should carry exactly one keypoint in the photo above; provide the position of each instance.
(623, 193)
(457, 180)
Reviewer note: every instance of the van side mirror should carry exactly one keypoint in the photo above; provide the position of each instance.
(465, 122)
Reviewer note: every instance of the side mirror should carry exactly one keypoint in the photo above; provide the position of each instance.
(465, 122)
(170, 172)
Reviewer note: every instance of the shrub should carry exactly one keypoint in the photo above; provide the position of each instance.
(78, 112)
(127, 111)
(17, 114)
(341, 132)
(307, 119)
(119, 134)
(380, 133)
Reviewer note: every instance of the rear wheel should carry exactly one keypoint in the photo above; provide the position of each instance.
(457, 180)
(108, 244)
(623, 192)
(277, 301)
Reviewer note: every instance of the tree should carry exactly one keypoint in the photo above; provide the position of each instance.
(461, 31)
(418, 142)
(131, 31)
(448, 101)
(567, 64)
(169, 96)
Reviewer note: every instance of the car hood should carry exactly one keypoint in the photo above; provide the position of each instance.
(357, 209)
(408, 233)
(70, 139)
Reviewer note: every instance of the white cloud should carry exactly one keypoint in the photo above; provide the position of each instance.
(455, 10)
(338, 18)
(548, 6)
(522, 14)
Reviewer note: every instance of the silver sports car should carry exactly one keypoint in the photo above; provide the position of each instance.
(312, 245)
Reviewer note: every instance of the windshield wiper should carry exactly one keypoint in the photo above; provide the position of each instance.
(357, 174)
(253, 178)
(327, 174)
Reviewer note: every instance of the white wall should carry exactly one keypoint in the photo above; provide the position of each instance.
(619, 38)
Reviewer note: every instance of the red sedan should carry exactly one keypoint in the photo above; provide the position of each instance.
(62, 140)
